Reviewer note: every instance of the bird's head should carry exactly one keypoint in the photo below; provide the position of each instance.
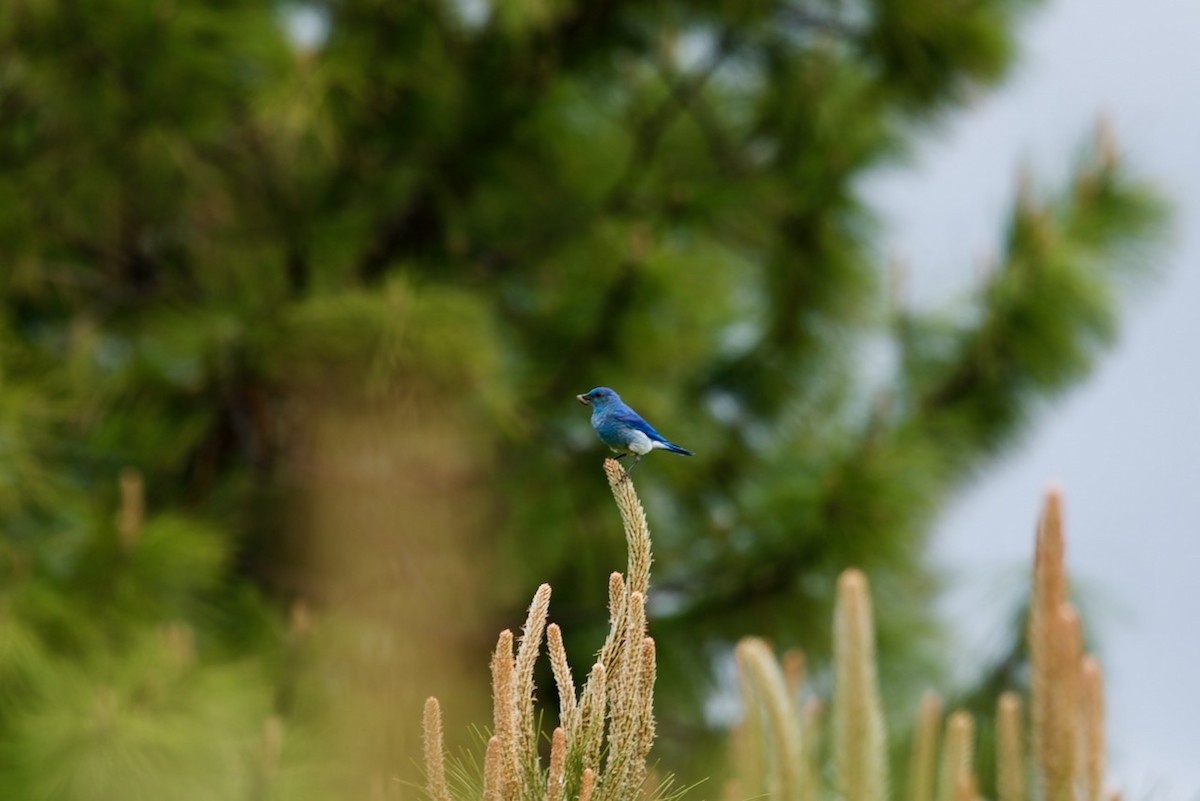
(598, 397)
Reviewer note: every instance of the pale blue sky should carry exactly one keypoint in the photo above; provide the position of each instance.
(1125, 446)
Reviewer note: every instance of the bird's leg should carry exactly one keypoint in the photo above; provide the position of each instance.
(620, 456)
(629, 469)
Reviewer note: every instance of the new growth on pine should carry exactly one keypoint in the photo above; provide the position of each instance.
(1061, 738)
(600, 749)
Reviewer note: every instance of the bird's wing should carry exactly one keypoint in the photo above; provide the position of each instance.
(634, 420)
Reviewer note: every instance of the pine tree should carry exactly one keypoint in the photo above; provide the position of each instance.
(332, 301)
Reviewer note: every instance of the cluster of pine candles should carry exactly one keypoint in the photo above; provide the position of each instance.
(791, 745)
(1054, 751)
(599, 750)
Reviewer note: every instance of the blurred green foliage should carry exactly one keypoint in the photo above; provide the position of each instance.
(206, 223)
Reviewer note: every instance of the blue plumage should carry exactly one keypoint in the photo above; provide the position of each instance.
(622, 429)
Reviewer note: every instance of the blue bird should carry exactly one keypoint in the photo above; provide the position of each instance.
(623, 429)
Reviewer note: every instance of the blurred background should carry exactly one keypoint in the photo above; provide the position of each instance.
(295, 298)
(1124, 446)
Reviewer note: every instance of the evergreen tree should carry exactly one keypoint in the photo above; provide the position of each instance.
(333, 300)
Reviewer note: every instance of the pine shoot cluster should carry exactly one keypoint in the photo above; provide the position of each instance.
(599, 750)
(776, 748)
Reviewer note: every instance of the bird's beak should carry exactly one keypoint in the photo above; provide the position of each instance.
(582, 399)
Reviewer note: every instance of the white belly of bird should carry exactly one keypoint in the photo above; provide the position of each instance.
(641, 444)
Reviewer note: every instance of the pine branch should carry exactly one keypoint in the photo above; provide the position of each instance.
(1042, 318)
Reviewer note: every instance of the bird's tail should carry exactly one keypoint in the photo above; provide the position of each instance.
(673, 448)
